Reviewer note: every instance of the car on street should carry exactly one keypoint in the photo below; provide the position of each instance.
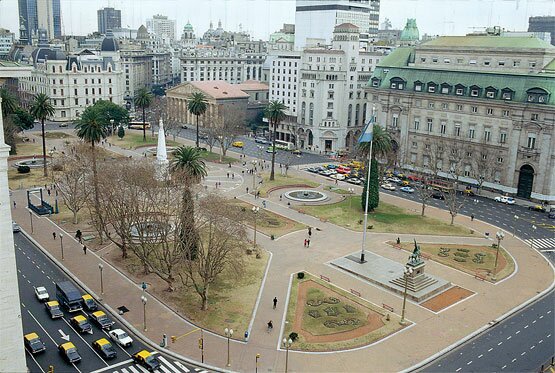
(388, 186)
(539, 208)
(101, 319)
(120, 337)
(325, 173)
(395, 180)
(354, 180)
(202, 136)
(505, 199)
(42, 294)
(343, 169)
(330, 166)
(15, 227)
(81, 324)
(238, 144)
(438, 195)
(69, 352)
(312, 169)
(270, 149)
(63, 124)
(33, 343)
(53, 309)
(339, 177)
(147, 360)
(407, 189)
(184, 126)
(297, 152)
(260, 140)
(469, 193)
(105, 348)
(551, 215)
(89, 303)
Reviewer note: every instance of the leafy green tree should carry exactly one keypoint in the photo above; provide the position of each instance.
(198, 104)
(91, 129)
(9, 102)
(275, 112)
(188, 164)
(23, 120)
(107, 111)
(381, 144)
(143, 99)
(121, 132)
(41, 108)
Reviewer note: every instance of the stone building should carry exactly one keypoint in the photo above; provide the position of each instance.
(491, 96)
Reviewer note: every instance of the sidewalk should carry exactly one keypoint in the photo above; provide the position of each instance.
(431, 333)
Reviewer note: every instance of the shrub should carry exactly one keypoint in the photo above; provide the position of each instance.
(494, 245)
(23, 169)
(461, 255)
(57, 167)
(293, 336)
(459, 259)
(300, 275)
(463, 250)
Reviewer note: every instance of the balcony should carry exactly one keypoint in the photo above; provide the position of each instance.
(527, 153)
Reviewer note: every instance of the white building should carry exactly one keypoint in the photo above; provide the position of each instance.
(316, 19)
(161, 26)
(74, 82)
(7, 39)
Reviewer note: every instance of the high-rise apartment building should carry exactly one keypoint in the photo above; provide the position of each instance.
(7, 39)
(39, 14)
(108, 19)
(161, 26)
(316, 19)
(543, 24)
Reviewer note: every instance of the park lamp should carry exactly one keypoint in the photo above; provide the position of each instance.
(255, 209)
(408, 270)
(500, 235)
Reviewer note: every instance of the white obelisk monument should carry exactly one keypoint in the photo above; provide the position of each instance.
(161, 153)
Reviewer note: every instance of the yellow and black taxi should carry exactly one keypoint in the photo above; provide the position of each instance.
(33, 343)
(81, 324)
(539, 208)
(238, 144)
(69, 352)
(53, 309)
(105, 348)
(147, 360)
(100, 318)
(89, 303)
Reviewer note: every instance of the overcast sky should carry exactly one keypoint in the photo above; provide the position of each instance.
(262, 17)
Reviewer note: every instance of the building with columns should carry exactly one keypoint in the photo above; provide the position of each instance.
(11, 342)
(490, 95)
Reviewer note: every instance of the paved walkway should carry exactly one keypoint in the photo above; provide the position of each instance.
(431, 333)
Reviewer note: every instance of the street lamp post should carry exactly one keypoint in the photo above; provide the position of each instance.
(287, 343)
(228, 334)
(500, 235)
(514, 224)
(101, 267)
(256, 363)
(112, 124)
(255, 210)
(407, 271)
(31, 217)
(143, 299)
(532, 238)
(253, 175)
(62, 244)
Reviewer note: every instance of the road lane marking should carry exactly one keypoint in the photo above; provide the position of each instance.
(549, 335)
(113, 366)
(458, 369)
(164, 369)
(141, 369)
(490, 349)
(39, 324)
(518, 331)
(500, 343)
(533, 322)
(131, 368)
(522, 354)
(526, 326)
(162, 359)
(541, 317)
(470, 362)
(503, 367)
(548, 312)
(75, 366)
(35, 360)
(187, 369)
(534, 346)
(480, 356)
(512, 361)
(88, 345)
(23, 276)
(23, 305)
(540, 341)
(509, 337)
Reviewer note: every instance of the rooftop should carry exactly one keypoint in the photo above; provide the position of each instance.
(489, 42)
(253, 85)
(216, 89)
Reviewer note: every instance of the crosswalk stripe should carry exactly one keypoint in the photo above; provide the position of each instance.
(141, 369)
(123, 370)
(131, 368)
(185, 369)
(168, 364)
(164, 369)
(541, 243)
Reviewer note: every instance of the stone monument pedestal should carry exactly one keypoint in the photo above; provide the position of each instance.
(417, 280)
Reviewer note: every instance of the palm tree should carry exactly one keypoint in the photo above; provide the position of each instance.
(41, 108)
(143, 99)
(9, 102)
(381, 143)
(197, 106)
(188, 162)
(275, 112)
(92, 129)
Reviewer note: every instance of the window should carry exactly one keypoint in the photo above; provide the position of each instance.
(394, 120)
(474, 109)
(446, 60)
(460, 60)
(502, 137)
(489, 111)
(74, 81)
(531, 143)
(532, 64)
(499, 159)
(474, 92)
(330, 114)
(506, 113)
(507, 95)
(416, 124)
(414, 144)
(487, 135)
(471, 133)
(516, 63)
(431, 88)
(430, 125)
(76, 101)
(457, 130)
(422, 59)
(445, 90)
(501, 63)
(468, 154)
(459, 107)
(490, 94)
(486, 63)
(472, 62)
(434, 59)
(431, 105)
(418, 87)
(443, 128)
(330, 105)
(459, 91)
(445, 106)
(533, 117)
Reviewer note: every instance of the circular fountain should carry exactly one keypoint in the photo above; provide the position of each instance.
(150, 231)
(153, 150)
(32, 162)
(304, 195)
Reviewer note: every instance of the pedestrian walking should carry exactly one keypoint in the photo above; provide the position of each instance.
(232, 176)
(270, 326)
(305, 242)
(54, 235)
(309, 232)
(228, 175)
(79, 236)
(84, 249)
(14, 204)
(247, 190)
(280, 197)
(472, 217)
(308, 243)
(264, 204)
(48, 191)
(275, 302)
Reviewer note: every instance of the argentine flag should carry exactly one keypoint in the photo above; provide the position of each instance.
(368, 132)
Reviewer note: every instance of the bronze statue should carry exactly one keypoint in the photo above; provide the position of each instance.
(414, 258)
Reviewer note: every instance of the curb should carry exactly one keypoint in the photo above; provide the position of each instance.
(143, 338)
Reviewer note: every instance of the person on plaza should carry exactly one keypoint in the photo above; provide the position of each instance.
(472, 217)
(280, 197)
(305, 242)
(270, 326)
(54, 235)
(275, 302)
(308, 243)
(84, 249)
(228, 175)
(79, 236)
(232, 176)
(14, 204)
(247, 190)
(264, 204)
(309, 232)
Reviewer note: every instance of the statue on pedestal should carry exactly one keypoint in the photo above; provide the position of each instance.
(415, 258)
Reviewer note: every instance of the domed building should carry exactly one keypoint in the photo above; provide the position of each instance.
(109, 44)
(43, 52)
(188, 38)
(410, 34)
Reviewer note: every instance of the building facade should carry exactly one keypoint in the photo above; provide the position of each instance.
(473, 108)
(137, 69)
(316, 19)
(108, 19)
(220, 64)
(7, 39)
(543, 24)
(35, 14)
(161, 26)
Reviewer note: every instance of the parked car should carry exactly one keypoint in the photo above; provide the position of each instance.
(388, 186)
(33, 343)
(505, 199)
(81, 324)
(551, 215)
(469, 192)
(105, 348)
(325, 173)
(147, 360)
(330, 166)
(539, 208)
(53, 309)
(260, 140)
(238, 144)
(414, 178)
(184, 126)
(395, 180)
(69, 352)
(438, 195)
(343, 169)
(354, 180)
(339, 177)
(15, 227)
(89, 303)
(407, 189)
(312, 169)
(120, 337)
(100, 318)
(297, 152)
(63, 124)
(42, 294)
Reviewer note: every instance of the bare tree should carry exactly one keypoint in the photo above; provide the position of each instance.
(71, 183)
(232, 125)
(483, 165)
(428, 173)
(220, 248)
(456, 154)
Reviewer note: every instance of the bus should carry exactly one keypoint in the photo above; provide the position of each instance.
(68, 296)
(284, 145)
(134, 125)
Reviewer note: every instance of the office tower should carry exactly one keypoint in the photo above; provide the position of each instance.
(35, 14)
(108, 19)
(315, 19)
(28, 22)
(161, 26)
(543, 24)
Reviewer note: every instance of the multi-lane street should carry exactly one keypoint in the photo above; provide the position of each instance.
(35, 269)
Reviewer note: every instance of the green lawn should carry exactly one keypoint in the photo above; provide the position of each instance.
(215, 158)
(386, 218)
(134, 139)
(464, 258)
(282, 181)
(57, 135)
(268, 222)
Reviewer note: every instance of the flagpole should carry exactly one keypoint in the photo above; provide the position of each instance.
(366, 204)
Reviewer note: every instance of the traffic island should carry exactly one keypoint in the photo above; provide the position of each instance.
(322, 317)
